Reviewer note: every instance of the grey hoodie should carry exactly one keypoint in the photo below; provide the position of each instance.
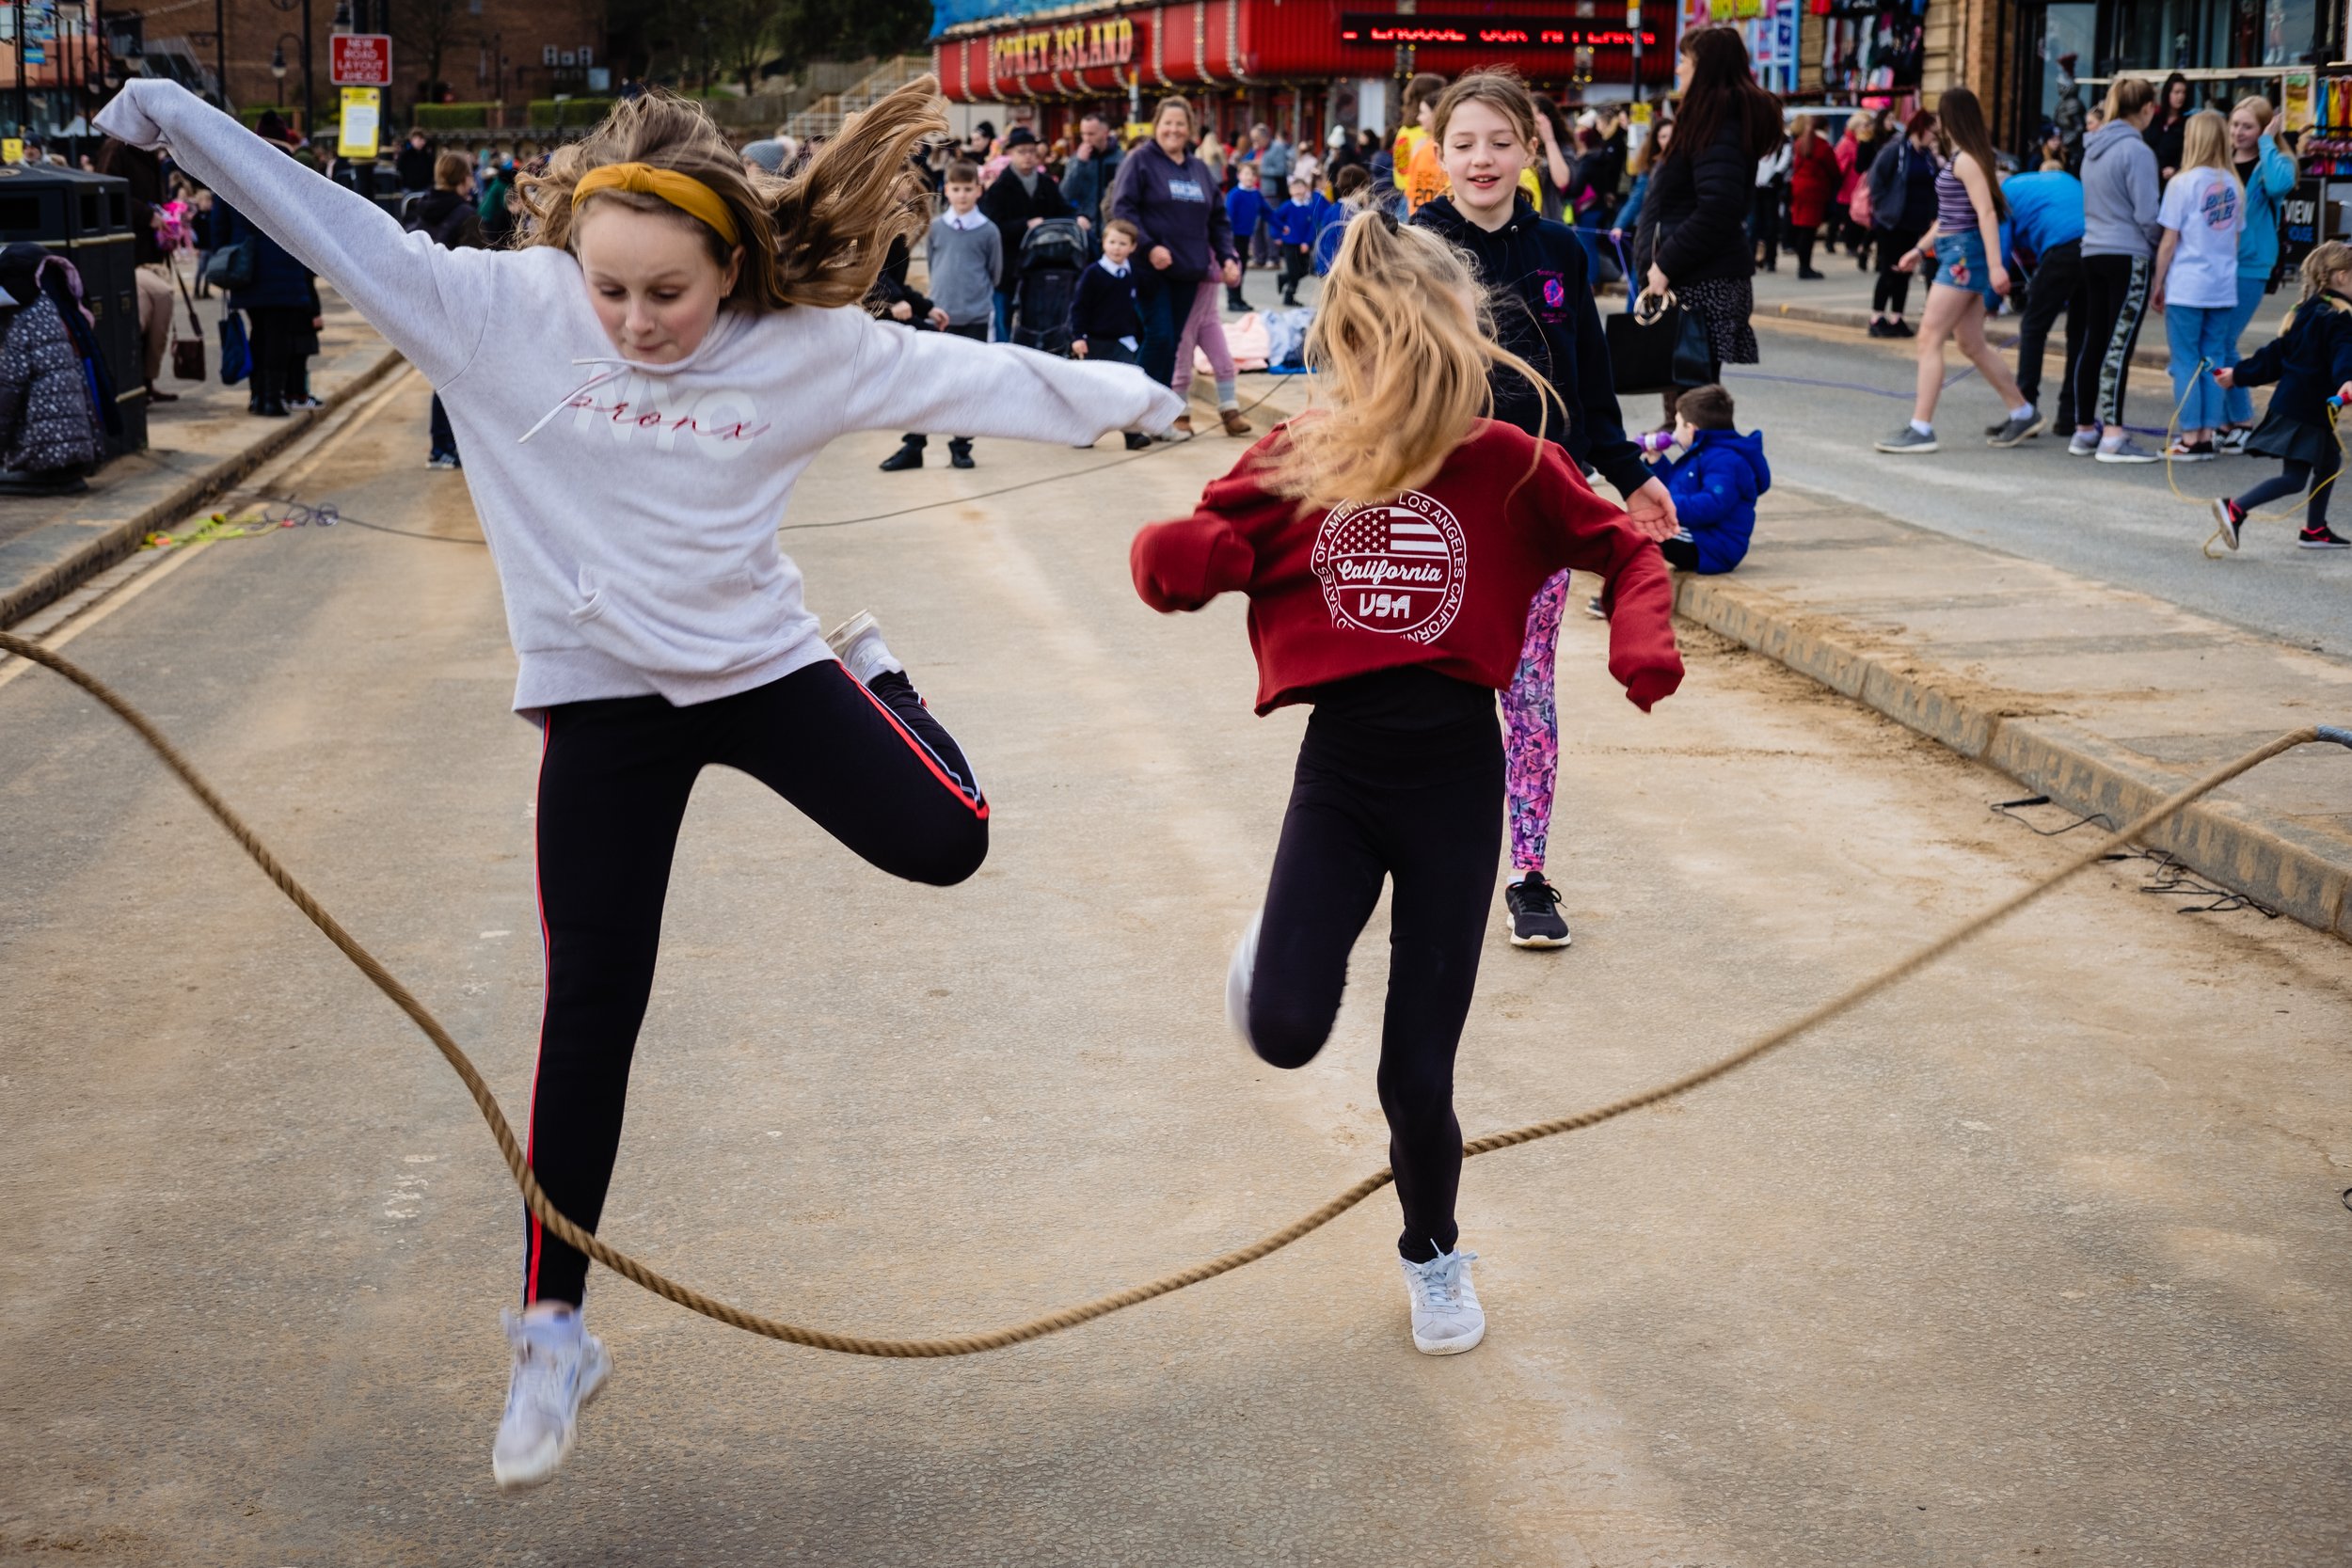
(631, 508)
(2119, 192)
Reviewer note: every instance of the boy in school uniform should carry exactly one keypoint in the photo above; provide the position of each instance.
(965, 253)
(1105, 320)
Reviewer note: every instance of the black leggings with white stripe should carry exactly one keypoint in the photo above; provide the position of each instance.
(869, 765)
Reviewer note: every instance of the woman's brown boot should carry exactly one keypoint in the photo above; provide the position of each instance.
(1234, 423)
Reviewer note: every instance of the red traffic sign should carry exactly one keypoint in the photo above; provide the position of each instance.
(361, 60)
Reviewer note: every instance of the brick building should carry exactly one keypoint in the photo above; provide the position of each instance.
(489, 50)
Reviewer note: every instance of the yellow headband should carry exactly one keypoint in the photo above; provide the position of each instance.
(683, 191)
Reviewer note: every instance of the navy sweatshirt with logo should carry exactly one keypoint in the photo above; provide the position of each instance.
(1544, 313)
(1178, 206)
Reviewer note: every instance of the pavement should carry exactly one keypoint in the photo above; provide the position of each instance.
(197, 446)
(2038, 1258)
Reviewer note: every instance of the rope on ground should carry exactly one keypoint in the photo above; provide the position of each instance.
(640, 1274)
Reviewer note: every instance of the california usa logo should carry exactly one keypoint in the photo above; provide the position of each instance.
(1393, 566)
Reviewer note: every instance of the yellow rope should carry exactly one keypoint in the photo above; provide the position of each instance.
(1068, 1317)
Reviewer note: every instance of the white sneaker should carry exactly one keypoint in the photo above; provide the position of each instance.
(1447, 1318)
(858, 643)
(1237, 978)
(559, 1367)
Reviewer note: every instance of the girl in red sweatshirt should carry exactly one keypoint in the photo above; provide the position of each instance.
(1389, 541)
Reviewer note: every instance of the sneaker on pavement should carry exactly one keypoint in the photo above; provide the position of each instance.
(907, 456)
(1238, 975)
(1598, 610)
(1909, 441)
(1534, 905)
(1447, 1318)
(857, 642)
(2082, 443)
(559, 1367)
(2189, 452)
(2322, 538)
(440, 460)
(1901, 329)
(2229, 517)
(2129, 451)
(2233, 442)
(2011, 431)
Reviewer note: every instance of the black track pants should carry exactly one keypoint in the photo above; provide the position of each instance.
(1425, 810)
(872, 768)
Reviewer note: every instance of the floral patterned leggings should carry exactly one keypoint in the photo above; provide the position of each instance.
(1531, 728)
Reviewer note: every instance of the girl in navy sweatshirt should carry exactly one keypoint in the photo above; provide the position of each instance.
(1485, 127)
(1388, 543)
(636, 387)
(2310, 360)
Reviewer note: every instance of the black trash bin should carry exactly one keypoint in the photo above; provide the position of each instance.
(85, 218)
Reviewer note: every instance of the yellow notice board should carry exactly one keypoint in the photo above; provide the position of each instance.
(356, 137)
(11, 150)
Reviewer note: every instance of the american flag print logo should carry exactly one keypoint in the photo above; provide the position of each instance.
(1397, 567)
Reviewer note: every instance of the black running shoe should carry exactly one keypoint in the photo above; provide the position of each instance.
(2322, 538)
(1534, 905)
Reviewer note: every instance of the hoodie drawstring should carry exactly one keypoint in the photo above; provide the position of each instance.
(620, 367)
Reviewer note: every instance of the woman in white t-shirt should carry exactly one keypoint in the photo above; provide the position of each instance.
(2203, 210)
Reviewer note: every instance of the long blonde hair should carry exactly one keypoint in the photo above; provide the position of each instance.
(2205, 144)
(1400, 377)
(819, 238)
(2323, 261)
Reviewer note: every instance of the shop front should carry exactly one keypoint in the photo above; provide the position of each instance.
(1302, 65)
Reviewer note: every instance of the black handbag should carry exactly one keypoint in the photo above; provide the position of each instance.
(187, 354)
(231, 266)
(1657, 344)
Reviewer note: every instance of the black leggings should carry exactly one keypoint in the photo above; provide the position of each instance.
(2293, 477)
(1892, 291)
(2115, 303)
(1425, 808)
(872, 768)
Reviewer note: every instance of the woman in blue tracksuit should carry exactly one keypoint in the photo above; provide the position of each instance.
(2268, 175)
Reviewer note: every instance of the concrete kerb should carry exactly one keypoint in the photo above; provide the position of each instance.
(68, 554)
(2248, 852)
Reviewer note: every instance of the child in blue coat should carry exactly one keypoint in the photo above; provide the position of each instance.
(1244, 208)
(1714, 484)
(1294, 224)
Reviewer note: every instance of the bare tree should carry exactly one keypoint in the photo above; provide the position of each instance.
(431, 29)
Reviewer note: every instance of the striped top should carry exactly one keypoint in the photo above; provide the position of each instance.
(1954, 213)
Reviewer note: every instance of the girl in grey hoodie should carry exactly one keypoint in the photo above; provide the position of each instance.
(2120, 234)
(636, 387)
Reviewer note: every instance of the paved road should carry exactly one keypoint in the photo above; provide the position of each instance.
(1824, 395)
(2040, 1259)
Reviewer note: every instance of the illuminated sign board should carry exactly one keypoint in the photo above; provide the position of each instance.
(1078, 46)
(1489, 32)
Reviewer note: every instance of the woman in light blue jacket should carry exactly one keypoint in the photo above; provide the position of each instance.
(2268, 175)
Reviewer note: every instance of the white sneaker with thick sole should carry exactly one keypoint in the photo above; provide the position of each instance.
(1447, 1318)
(1237, 977)
(559, 1367)
(857, 642)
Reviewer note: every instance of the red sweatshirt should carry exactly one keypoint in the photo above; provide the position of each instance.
(1438, 577)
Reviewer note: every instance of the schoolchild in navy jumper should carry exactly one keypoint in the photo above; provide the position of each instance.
(637, 387)
(1105, 321)
(1294, 225)
(2310, 359)
(1484, 127)
(963, 252)
(1246, 209)
(1459, 519)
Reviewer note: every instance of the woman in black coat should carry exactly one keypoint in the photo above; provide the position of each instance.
(1693, 240)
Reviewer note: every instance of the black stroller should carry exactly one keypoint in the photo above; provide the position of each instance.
(1051, 256)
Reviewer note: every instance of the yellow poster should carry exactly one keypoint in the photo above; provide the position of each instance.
(2294, 107)
(357, 135)
(11, 150)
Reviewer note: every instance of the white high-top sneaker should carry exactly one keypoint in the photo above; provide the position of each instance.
(1447, 1318)
(559, 1367)
(857, 642)
(1237, 978)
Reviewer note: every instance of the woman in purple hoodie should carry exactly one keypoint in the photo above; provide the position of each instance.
(1175, 202)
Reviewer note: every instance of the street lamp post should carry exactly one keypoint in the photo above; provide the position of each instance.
(309, 99)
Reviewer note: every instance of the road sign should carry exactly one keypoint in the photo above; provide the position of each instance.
(361, 60)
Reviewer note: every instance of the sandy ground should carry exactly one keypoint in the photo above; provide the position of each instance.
(2039, 1259)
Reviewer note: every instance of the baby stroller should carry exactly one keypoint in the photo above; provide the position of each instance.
(1051, 256)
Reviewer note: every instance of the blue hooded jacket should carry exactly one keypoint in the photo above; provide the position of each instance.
(1714, 486)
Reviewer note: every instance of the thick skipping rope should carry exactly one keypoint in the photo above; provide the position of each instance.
(640, 1274)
